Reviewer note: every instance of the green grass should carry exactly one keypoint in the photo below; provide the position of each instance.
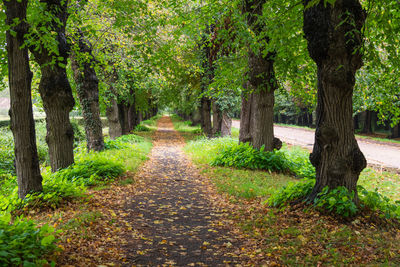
(387, 183)
(185, 128)
(236, 182)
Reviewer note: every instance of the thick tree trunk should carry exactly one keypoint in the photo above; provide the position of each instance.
(336, 155)
(88, 94)
(245, 119)
(58, 101)
(206, 115)
(55, 90)
(263, 123)
(21, 114)
(114, 126)
(217, 119)
(226, 126)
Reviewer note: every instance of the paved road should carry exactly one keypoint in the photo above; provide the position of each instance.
(381, 154)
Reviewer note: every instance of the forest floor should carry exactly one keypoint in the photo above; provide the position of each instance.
(165, 214)
(169, 213)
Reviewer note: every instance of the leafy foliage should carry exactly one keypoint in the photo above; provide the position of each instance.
(92, 169)
(23, 243)
(338, 200)
(290, 192)
(245, 156)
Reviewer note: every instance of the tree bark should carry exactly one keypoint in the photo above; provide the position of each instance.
(336, 155)
(226, 126)
(123, 116)
(217, 119)
(206, 115)
(114, 126)
(88, 94)
(21, 114)
(262, 81)
(245, 119)
(55, 90)
(395, 131)
(367, 127)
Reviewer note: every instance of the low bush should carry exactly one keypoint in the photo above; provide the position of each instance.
(122, 142)
(377, 202)
(291, 192)
(338, 200)
(245, 156)
(23, 243)
(56, 189)
(142, 128)
(92, 169)
(299, 162)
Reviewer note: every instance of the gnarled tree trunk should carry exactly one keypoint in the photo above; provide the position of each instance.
(55, 90)
(88, 94)
(21, 114)
(336, 155)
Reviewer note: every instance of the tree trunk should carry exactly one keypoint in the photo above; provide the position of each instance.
(245, 119)
(88, 94)
(132, 117)
(114, 126)
(367, 127)
(395, 131)
(206, 116)
(226, 126)
(55, 90)
(123, 109)
(21, 114)
(336, 155)
(217, 119)
(262, 81)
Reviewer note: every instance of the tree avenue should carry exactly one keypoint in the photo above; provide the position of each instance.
(208, 61)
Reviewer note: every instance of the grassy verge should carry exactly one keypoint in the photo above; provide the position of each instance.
(299, 236)
(185, 128)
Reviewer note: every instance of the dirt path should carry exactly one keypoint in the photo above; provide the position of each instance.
(174, 219)
(383, 155)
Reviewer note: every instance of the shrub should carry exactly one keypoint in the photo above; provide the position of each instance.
(291, 192)
(245, 156)
(92, 169)
(338, 200)
(299, 162)
(142, 128)
(55, 190)
(377, 202)
(123, 141)
(22, 243)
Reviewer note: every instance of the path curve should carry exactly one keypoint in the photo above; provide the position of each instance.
(383, 155)
(174, 218)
